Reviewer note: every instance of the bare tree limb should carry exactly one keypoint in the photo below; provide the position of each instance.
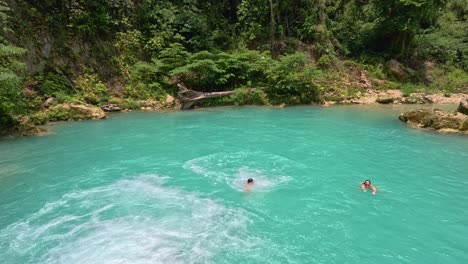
(189, 97)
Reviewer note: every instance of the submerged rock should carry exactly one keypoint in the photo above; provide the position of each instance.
(436, 120)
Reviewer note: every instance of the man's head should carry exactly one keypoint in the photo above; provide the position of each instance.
(250, 181)
(367, 182)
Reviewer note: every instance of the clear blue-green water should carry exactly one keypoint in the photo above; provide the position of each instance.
(168, 188)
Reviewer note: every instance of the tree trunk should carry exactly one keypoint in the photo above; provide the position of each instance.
(188, 97)
(233, 10)
(272, 25)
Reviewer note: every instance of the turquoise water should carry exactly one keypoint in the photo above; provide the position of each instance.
(168, 188)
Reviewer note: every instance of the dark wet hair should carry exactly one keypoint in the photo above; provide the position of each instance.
(249, 180)
(367, 181)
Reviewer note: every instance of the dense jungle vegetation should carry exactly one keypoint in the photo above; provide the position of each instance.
(127, 51)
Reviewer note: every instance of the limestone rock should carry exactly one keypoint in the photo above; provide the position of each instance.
(49, 102)
(385, 100)
(436, 120)
(409, 100)
(111, 108)
(26, 127)
(65, 112)
(463, 107)
(396, 69)
(464, 125)
(169, 99)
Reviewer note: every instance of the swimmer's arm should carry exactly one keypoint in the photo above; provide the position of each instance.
(363, 187)
(374, 190)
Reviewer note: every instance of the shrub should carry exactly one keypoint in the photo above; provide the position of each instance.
(326, 61)
(91, 87)
(51, 84)
(59, 114)
(130, 104)
(449, 79)
(291, 83)
(144, 91)
(115, 100)
(39, 118)
(243, 96)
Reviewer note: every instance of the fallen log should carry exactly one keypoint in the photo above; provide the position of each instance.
(188, 97)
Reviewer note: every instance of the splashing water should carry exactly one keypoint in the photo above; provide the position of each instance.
(130, 221)
(268, 170)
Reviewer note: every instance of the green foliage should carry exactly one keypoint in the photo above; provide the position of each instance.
(185, 22)
(408, 88)
(448, 42)
(130, 104)
(149, 45)
(386, 27)
(325, 62)
(449, 79)
(39, 118)
(208, 71)
(291, 82)
(53, 84)
(59, 114)
(129, 48)
(146, 81)
(377, 71)
(141, 91)
(92, 88)
(11, 100)
(220, 71)
(253, 15)
(65, 113)
(243, 96)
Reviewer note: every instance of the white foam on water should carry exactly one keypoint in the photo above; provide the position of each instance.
(130, 221)
(263, 182)
(269, 171)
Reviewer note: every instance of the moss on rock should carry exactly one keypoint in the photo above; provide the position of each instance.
(66, 112)
(436, 120)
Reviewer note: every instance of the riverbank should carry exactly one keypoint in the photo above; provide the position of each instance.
(371, 96)
(32, 125)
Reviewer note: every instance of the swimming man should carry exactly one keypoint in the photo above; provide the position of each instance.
(249, 184)
(367, 184)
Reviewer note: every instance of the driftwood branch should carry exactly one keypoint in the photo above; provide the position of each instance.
(189, 97)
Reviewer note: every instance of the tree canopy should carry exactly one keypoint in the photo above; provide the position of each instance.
(97, 49)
